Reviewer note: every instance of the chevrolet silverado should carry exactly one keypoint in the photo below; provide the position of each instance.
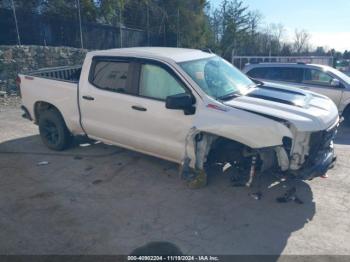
(186, 106)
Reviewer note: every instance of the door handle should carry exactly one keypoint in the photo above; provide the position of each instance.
(90, 98)
(139, 108)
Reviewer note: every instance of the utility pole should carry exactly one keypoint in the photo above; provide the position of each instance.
(178, 28)
(232, 55)
(80, 27)
(270, 50)
(148, 31)
(16, 23)
(120, 25)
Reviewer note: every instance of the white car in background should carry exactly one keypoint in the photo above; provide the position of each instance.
(317, 78)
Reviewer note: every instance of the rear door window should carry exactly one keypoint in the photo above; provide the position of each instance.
(287, 74)
(111, 75)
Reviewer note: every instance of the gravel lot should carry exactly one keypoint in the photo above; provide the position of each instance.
(102, 199)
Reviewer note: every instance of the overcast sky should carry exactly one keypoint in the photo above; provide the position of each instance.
(328, 21)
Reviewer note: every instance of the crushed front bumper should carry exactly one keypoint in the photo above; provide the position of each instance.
(324, 160)
(321, 156)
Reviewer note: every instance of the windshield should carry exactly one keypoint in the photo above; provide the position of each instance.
(216, 77)
(340, 74)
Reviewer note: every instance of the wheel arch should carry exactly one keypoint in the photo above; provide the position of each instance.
(216, 148)
(41, 106)
(346, 110)
(206, 144)
(346, 114)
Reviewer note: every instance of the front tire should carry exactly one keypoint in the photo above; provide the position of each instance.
(53, 130)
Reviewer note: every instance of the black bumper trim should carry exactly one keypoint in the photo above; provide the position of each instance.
(324, 161)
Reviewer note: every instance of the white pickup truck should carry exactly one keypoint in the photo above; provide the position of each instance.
(187, 106)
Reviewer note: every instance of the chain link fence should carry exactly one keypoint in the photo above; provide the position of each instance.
(148, 28)
(36, 34)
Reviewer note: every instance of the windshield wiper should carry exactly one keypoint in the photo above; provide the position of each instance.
(228, 96)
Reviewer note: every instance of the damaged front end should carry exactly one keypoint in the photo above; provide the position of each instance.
(214, 154)
(321, 155)
(306, 156)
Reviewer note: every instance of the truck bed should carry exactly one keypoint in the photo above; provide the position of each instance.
(62, 73)
(56, 86)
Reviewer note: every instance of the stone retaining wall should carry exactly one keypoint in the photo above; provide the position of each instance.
(15, 59)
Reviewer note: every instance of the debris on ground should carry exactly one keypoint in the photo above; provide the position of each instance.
(290, 195)
(199, 181)
(42, 163)
(84, 144)
(89, 168)
(256, 195)
(96, 182)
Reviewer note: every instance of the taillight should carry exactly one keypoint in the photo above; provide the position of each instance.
(18, 84)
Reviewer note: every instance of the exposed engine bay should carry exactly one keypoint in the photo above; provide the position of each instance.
(308, 155)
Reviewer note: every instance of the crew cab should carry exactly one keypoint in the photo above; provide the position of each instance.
(186, 106)
(313, 77)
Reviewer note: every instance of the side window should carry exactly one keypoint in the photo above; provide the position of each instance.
(287, 74)
(317, 77)
(156, 82)
(259, 72)
(110, 75)
(273, 73)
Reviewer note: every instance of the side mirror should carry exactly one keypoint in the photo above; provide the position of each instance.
(181, 102)
(335, 82)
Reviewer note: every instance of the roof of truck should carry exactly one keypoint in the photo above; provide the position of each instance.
(175, 54)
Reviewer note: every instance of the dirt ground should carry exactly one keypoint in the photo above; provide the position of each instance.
(101, 199)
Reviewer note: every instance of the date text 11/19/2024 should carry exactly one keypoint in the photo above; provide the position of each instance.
(173, 258)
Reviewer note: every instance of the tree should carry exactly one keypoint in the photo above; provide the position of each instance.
(194, 25)
(320, 51)
(286, 49)
(31, 5)
(62, 8)
(68, 9)
(109, 10)
(301, 41)
(89, 10)
(277, 33)
(232, 23)
(187, 21)
(250, 45)
(271, 39)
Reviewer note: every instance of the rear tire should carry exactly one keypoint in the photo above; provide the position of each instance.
(53, 130)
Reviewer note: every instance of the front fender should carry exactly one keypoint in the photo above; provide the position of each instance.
(247, 128)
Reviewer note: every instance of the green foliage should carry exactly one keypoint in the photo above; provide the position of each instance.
(194, 28)
(63, 8)
(346, 54)
(108, 10)
(234, 25)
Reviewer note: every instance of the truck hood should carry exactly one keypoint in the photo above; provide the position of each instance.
(307, 111)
